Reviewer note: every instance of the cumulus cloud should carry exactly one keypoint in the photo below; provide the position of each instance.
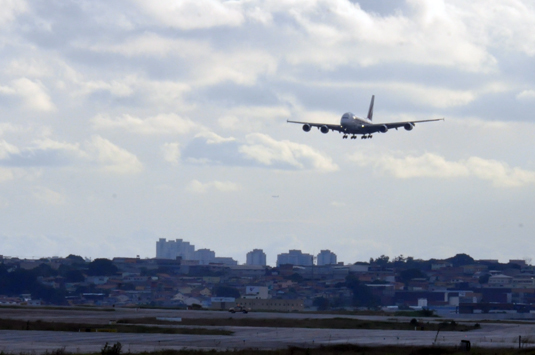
(112, 158)
(48, 153)
(33, 93)
(169, 123)
(431, 165)
(259, 150)
(205, 65)
(213, 138)
(193, 14)
(195, 186)
(268, 151)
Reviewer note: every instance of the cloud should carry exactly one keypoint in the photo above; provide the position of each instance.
(193, 14)
(270, 152)
(202, 63)
(49, 196)
(33, 93)
(48, 153)
(11, 9)
(431, 165)
(526, 95)
(213, 138)
(258, 150)
(251, 118)
(112, 158)
(171, 152)
(196, 186)
(161, 124)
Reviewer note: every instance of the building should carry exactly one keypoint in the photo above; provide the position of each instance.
(295, 257)
(256, 257)
(173, 248)
(204, 256)
(256, 292)
(224, 260)
(326, 257)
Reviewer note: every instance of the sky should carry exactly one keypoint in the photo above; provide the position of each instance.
(128, 121)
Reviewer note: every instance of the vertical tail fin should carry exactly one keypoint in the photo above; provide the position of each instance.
(370, 111)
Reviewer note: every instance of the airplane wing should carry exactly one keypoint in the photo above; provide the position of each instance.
(397, 125)
(333, 127)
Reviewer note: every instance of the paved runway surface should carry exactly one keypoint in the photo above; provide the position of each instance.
(490, 334)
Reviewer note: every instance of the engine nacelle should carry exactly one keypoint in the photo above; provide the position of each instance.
(324, 129)
(383, 129)
(409, 126)
(307, 127)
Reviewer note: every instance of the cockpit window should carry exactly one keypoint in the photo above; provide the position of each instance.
(347, 115)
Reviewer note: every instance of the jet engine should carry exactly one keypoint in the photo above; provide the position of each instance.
(383, 129)
(307, 127)
(324, 129)
(409, 126)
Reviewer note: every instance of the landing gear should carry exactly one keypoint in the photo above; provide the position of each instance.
(353, 137)
(366, 136)
(345, 136)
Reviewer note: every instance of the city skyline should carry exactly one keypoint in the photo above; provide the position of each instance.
(125, 122)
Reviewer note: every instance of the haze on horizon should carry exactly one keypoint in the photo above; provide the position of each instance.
(128, 121)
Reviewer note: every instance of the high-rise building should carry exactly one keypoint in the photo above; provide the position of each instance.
(204, 256)
(326, 257)
(256, 257)
(295, 257)
(173, 248)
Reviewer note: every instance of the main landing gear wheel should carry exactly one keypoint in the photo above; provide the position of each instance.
(353, 137)
(345, 136)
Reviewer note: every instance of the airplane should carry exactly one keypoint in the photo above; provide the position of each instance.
(351, 125)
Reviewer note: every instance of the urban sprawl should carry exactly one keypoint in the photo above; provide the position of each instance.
(182, 277)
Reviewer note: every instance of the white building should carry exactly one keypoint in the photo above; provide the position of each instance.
(256, 292)
(256, 257)
(326, 257)
(173, 248)
(295, 257)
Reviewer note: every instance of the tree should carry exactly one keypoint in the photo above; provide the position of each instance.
(76, 259)
(484, 279)
(362, 295)
(460, 260)
(44, 270)
(101, 267)
(381, 261)
(321, 303)
(409, 274)
(74, 276)
(295, 277)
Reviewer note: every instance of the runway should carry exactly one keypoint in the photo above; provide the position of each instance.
(16, 341)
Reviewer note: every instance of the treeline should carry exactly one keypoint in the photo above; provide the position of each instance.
(401, 262)
(15, 280)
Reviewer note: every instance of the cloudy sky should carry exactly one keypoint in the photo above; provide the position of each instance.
(127, 121)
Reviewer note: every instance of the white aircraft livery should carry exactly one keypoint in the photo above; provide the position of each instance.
(351, 125)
